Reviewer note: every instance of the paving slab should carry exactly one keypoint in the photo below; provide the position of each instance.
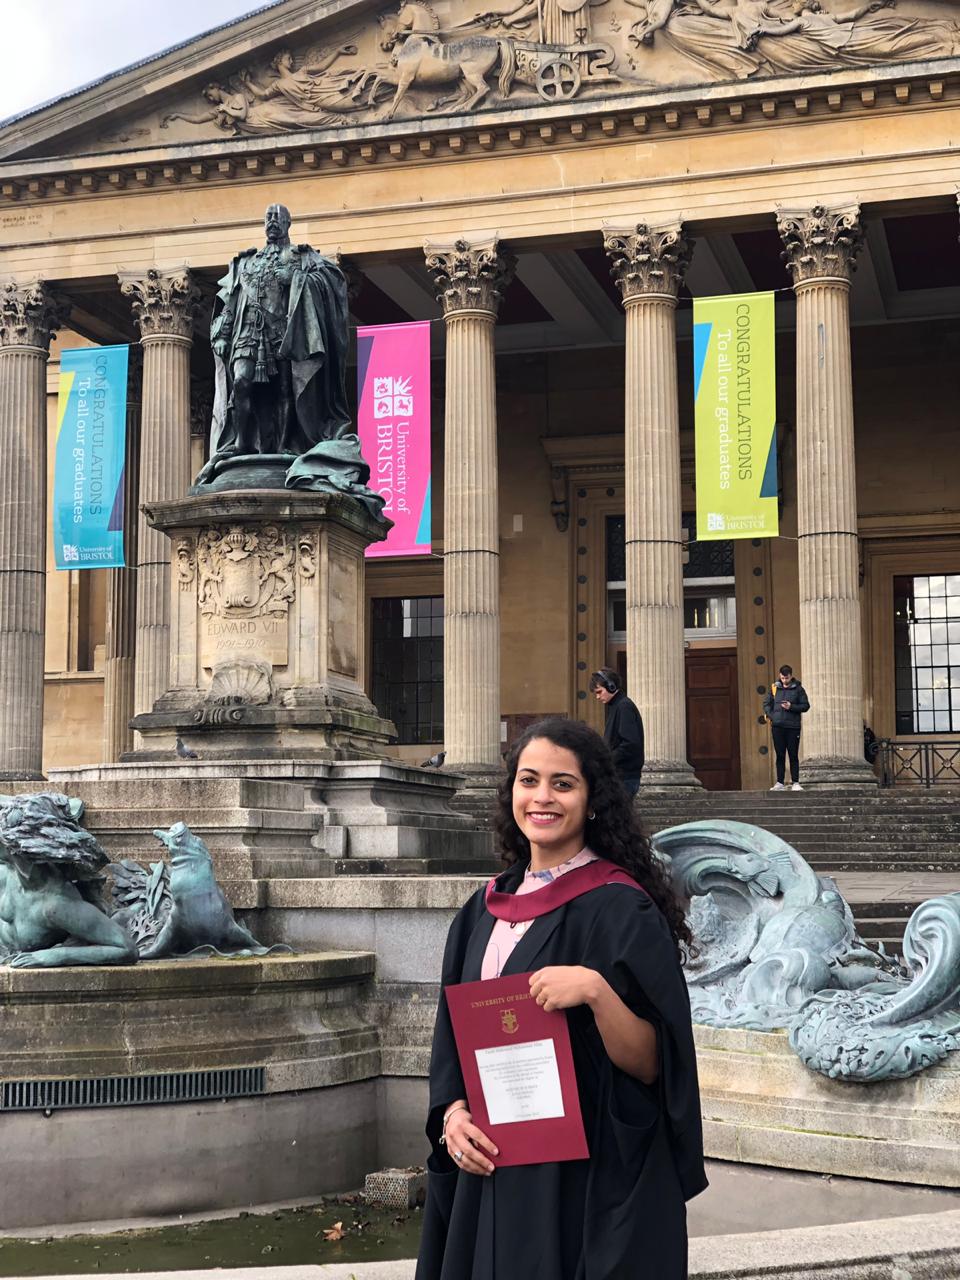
(907, 886)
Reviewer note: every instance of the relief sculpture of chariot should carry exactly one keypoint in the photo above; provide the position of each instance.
(419, 60)
(425, 57)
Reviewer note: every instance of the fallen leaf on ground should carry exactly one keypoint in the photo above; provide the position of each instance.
(335, 1232)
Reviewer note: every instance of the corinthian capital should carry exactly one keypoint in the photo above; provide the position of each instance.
(648, 258)
(820, 243)
(164, 302)
(29, 314)
(470, 275)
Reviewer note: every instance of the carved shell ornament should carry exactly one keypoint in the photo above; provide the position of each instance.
(241, 682)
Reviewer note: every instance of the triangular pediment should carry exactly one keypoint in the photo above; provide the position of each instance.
(353, 66)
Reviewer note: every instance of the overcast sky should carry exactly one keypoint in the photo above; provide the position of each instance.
(52, 46)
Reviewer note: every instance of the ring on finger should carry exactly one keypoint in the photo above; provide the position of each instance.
(458, 1156)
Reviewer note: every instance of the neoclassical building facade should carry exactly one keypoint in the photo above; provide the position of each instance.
(551, 184)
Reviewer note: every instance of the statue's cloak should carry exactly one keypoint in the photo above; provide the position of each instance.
(314, 341)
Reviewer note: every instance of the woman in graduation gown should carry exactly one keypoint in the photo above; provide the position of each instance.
(585, 908)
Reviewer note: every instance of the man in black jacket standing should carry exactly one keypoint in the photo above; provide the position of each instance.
(783, 707)
(623, 730)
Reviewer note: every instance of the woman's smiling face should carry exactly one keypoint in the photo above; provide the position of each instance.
(550, 800)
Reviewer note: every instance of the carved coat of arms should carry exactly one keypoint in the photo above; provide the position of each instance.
(245, 573)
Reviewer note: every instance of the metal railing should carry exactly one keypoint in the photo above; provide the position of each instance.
(919, 763)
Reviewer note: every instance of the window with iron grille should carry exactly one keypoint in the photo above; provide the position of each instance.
(926, 646)
(406, 646)
(709, 605)
(704, 559)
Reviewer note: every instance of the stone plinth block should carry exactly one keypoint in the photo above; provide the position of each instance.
(396, 1188)
(266, 629)
(292, 1057)
(761, 1105)
(270, 817)
(297, 1016)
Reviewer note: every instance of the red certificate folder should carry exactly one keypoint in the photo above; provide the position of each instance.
(516, 1059)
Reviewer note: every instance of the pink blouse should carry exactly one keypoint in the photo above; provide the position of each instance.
(505, 936)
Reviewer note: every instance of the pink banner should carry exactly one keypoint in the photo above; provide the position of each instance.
(393, 421)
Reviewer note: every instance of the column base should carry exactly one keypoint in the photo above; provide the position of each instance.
(477, 794)
(826, 773)
(669, 775)
(21, 775)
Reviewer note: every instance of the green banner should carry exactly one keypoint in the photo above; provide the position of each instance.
(734, 372)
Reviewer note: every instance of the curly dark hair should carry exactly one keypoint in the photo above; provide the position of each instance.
(614, 832)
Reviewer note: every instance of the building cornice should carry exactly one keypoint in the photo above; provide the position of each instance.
(667, 113)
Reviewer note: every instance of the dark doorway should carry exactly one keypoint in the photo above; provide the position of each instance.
(713, 722)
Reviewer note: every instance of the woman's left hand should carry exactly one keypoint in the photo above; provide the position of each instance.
(563, 986)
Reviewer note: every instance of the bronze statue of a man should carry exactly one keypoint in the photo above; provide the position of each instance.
(279, 337)
(280, 334)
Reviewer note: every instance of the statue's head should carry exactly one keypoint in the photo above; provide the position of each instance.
(41, 832)
(186, 850)
(276, 223)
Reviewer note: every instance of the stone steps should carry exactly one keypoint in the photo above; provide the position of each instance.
(879, 832)
(885, 834)
(838, 863)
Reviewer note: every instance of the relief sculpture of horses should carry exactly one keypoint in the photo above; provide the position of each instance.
(421, 59)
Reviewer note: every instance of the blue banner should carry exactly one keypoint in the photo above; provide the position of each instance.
(88, 476)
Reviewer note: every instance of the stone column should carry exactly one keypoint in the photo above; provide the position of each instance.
(470, 277)
(821, 249)
(120, 636)
(29, 313)
(648, 264)
(164, 304)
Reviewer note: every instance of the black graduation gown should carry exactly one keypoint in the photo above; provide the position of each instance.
(621, 1214)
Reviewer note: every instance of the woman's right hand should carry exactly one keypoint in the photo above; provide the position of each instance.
(466, 1144)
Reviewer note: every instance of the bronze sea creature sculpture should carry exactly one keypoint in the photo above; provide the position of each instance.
(179, 909)
(51, 876)
(778, 949)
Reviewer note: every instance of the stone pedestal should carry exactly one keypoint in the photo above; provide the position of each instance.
(267, 624)
(266, 821)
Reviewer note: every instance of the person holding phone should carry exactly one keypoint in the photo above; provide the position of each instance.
(783, 706)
